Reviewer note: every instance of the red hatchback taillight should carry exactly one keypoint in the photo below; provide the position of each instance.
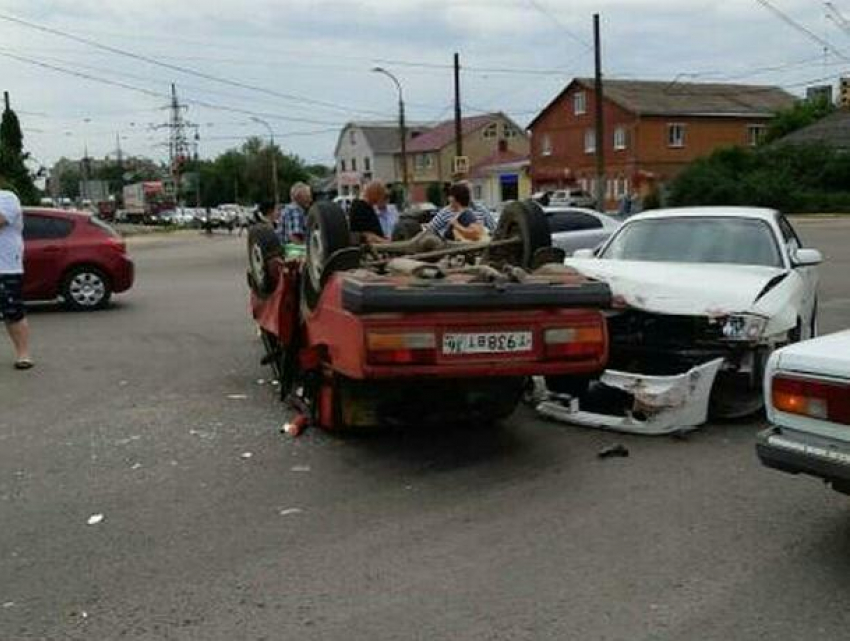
(823, 400)
(574, 343)
(401, 348)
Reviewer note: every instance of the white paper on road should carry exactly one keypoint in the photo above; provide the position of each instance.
(94, 519)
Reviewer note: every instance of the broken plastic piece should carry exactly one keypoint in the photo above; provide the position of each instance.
(94, 519)
(615, 450)
(291, 510)
(662, 404)
(247, 455)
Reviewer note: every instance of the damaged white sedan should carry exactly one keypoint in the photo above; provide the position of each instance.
(702, 296)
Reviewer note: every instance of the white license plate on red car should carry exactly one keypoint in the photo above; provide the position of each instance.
(457, 343)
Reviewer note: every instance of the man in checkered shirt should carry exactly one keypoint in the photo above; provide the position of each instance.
(293, 219)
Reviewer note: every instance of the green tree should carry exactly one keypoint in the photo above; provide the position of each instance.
(802, 114)
(13, 169)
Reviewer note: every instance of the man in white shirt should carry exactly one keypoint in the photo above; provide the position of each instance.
(12, 311)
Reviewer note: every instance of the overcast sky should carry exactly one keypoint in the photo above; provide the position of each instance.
(313, 58)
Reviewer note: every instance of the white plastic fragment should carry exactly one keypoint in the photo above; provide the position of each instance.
(237, 397)
(247, 455)
(9, 604)
(291, 510)
(94, 519)
(261, 381)
(300, 468)
(135, 466)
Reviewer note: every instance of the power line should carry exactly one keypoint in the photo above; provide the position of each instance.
(157, 94)
(181, 69)
(802, 29)
(540, 8)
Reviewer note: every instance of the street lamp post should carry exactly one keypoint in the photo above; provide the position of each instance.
(274, 159)
(401, 127)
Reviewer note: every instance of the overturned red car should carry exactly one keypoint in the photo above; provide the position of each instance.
(423, 330)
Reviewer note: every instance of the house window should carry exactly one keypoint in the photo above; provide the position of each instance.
(354, 164)
(545, 145)
(491, 130)
(423, 161)
(352, 137)
(367, 164)
(579, 103)
(342, 165)
(589, 141)
(755, 134)
(675, 135)
(510, 132)
(620, 138)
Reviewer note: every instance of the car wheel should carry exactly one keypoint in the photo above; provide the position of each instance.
(327, 233)
(526, 222)
(263, 245)
(86, 288)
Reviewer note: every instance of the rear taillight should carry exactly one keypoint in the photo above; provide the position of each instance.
(574, 342)
(823, 400)
(401, 348)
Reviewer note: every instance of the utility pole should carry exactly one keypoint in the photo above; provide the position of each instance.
(600, 125)
(6, 100)
(458, 127)
(273, 152)
(178, 141)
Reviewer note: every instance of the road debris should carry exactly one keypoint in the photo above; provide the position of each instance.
(616, 450)
(237, 397)
(300, 468)
(261, 381)
(9, 604)
(135, 466)
(247, 455)
(296, 426)
(94, 519)
(291, 510)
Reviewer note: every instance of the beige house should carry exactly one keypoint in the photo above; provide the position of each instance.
(430, 155)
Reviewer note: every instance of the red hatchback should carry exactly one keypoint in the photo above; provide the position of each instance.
(73, 256)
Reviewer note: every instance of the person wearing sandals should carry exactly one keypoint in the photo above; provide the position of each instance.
(12, 311)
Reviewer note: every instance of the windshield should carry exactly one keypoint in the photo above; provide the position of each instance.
(736, 241)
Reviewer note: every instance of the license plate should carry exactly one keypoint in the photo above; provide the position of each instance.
(486, 342)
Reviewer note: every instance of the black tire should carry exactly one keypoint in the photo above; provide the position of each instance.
(263, 245)
(86, 288)
(527, 221)
(327, 233)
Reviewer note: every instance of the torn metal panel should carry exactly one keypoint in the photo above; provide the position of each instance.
(662, 404)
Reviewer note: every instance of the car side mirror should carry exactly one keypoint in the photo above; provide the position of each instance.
(584, 253)
(806, 258)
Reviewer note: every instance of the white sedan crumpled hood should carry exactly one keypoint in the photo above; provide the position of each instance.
(682, 289)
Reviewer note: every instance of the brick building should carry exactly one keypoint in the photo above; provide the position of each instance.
(652, 131)
(430, 155)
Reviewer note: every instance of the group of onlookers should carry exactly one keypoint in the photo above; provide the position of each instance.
(373, 218)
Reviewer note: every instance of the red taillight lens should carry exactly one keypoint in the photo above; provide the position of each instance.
(823, 400)
(574, 342)
(401, 348)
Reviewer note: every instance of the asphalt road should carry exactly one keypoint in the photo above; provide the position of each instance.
(217, 527)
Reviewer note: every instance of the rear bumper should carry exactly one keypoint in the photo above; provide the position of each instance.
(123, 275)
(799, 453)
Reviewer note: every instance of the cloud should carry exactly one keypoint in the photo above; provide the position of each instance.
(323, 50)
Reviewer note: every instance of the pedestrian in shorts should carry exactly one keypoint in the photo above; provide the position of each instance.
(12, 311)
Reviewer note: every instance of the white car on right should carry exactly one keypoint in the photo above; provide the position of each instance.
(700, 293)
(807, 394)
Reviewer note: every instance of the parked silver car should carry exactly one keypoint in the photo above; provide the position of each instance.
(575, 228)
(571, 198)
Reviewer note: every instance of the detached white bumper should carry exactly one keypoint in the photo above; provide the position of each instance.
(666, 404)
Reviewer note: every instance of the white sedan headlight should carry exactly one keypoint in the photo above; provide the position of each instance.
(744, 327)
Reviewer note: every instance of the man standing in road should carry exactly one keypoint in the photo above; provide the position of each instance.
(293, 219)
(12, 277)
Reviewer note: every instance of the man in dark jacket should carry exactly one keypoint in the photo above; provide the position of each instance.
(372, 216)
